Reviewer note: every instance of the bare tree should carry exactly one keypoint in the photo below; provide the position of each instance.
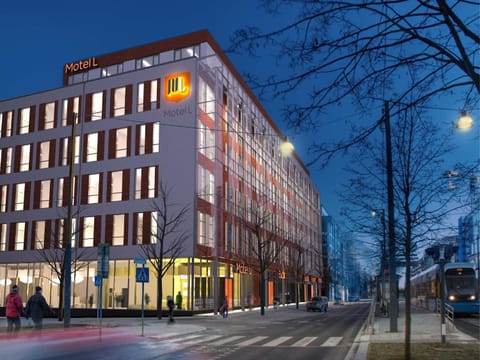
(423, 199)
(268, 243)
(168, 238)
(358, 52)
(296, 264)
(52, 253)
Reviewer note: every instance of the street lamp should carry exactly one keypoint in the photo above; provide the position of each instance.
(383, 259)
(465, 122)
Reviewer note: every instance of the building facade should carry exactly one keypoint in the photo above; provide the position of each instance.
(173, 113)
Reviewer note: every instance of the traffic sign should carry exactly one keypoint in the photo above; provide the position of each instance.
(142, 275)
(103, 260)
(139, 261)
(98, 280)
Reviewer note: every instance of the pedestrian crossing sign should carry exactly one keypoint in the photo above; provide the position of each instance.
(142, 275)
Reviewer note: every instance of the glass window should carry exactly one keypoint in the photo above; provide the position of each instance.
(7, 152)
(49, 119)
(166, 56)
(121, 143)
(20, 236)
(97, 106)
(3, 237)
(65, 148)
(93, 188)
(118, 229)
(39, 235)
(141, 140)
(156, 137)
(88, 231)
(119, 101)
(45, 186)
(153, 94)
(92, 147)
(66, 112)
(139, 237)
(3, 198)
(140, 94)
(44, 156)
(6, 124)
(25, 158)
(145, 182)
(24, 121)
(116, 178)
(19, 196)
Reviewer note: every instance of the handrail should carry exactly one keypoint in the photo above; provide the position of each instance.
(449, 310)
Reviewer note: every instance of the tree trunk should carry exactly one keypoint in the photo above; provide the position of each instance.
(159, 297)
(297, 295)
(408, 299)
(262, 292)
(60, 300)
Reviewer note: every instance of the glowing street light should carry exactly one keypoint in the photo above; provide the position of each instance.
(465, 122)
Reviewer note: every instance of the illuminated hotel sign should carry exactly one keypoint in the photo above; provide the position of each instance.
(80, 65)
(242, 269)
(177, 87)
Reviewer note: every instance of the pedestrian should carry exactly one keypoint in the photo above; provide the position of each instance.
(90, 300)
(224, 308)
(13, 310)
(170, 305)
(36, 308)
(178, 300)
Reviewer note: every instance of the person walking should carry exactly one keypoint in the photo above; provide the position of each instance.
(36, 308)
(170, 305)
(13, 310)
(179, 300)
(224, 308)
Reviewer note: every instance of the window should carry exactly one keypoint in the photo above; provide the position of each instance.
(44, 154)
(3, 237)
(92, 147)
(148, 95)
(144, 228)
(121, 101)
(63, 189)
(118, 185)
(88, 231)
(148, 138)
(20, 235)
(40, 235)
(118, 229)
(146, 182)
(205, 229)
(119, 143)
(65, 148)
(45, 190)
(70, 109)
(6, 161)
(19, 192)
(47, 116)
(206, 185)
(25, 158)
(24, 121)
(3, 197)
(93, 188)
(96, 110)
(6, 124)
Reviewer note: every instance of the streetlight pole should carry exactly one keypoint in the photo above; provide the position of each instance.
(393, 304)
(383, 256)
(67, 260)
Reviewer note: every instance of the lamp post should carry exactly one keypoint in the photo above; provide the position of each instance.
(383, 259)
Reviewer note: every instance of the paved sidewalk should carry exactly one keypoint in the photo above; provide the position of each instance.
(425, 327)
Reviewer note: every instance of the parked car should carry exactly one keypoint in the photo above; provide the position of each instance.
(319, 303)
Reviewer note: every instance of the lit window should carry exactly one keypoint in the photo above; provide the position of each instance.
(88, 231)
(65, 151)
(8, 160)
(70, 107)
(3, 198)
(116, 178)
(119, 101)
(60, 192)
(20, 236)
(153, 94)
(118, 229)
(140, 91)
(39, 234)
(3, 237)
(6, 124)
(19, 196)
(145, 182)
(25, 158)
(205, 229)
(24, 121)
(148, 97)
(45, 186)
(44, 156)
(49, 116)
(148, 138)
(156, 137)
(97, 106)
(92, 147)
(141, 145)
(93, 188)
(139, 239)
(121, 143)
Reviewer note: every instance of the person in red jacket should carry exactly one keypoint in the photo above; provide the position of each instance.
(13, 310)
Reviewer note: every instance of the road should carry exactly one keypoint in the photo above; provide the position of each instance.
(469, 324)
(284, 334)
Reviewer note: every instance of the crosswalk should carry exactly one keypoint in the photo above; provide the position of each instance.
(240, 341)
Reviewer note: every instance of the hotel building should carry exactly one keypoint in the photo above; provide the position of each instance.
(177, 113)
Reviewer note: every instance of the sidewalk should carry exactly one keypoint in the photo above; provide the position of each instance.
(425, 327)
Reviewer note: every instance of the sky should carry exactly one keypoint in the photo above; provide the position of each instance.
(38, 38)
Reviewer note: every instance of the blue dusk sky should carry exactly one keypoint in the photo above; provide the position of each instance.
(39, 37)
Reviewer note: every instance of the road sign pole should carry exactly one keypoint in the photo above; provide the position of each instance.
(143, 297)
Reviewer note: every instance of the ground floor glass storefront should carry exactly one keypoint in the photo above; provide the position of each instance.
(192, 277)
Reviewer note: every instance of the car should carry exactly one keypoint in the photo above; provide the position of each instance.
(318, 303)
(353, 298)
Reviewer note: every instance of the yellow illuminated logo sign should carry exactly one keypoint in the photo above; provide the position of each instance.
(177, 87)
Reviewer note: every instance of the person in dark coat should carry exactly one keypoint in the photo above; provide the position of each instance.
(13, 310)
(170, 305)
(36, 308)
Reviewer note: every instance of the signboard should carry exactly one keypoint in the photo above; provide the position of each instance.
(103, 259)
(142, 275)
(98, 280)
(141, 261)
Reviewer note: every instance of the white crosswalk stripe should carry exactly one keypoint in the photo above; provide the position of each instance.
(304, 341)
(332, 341)
(251, 341)
(201, 339)
(227, 340)
(277, 341)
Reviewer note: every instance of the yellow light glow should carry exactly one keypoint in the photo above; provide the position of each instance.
(177, 87)
(465, 122)
(286, 148)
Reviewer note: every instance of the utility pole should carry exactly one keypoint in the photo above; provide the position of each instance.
(67, 260)
(393, 305)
